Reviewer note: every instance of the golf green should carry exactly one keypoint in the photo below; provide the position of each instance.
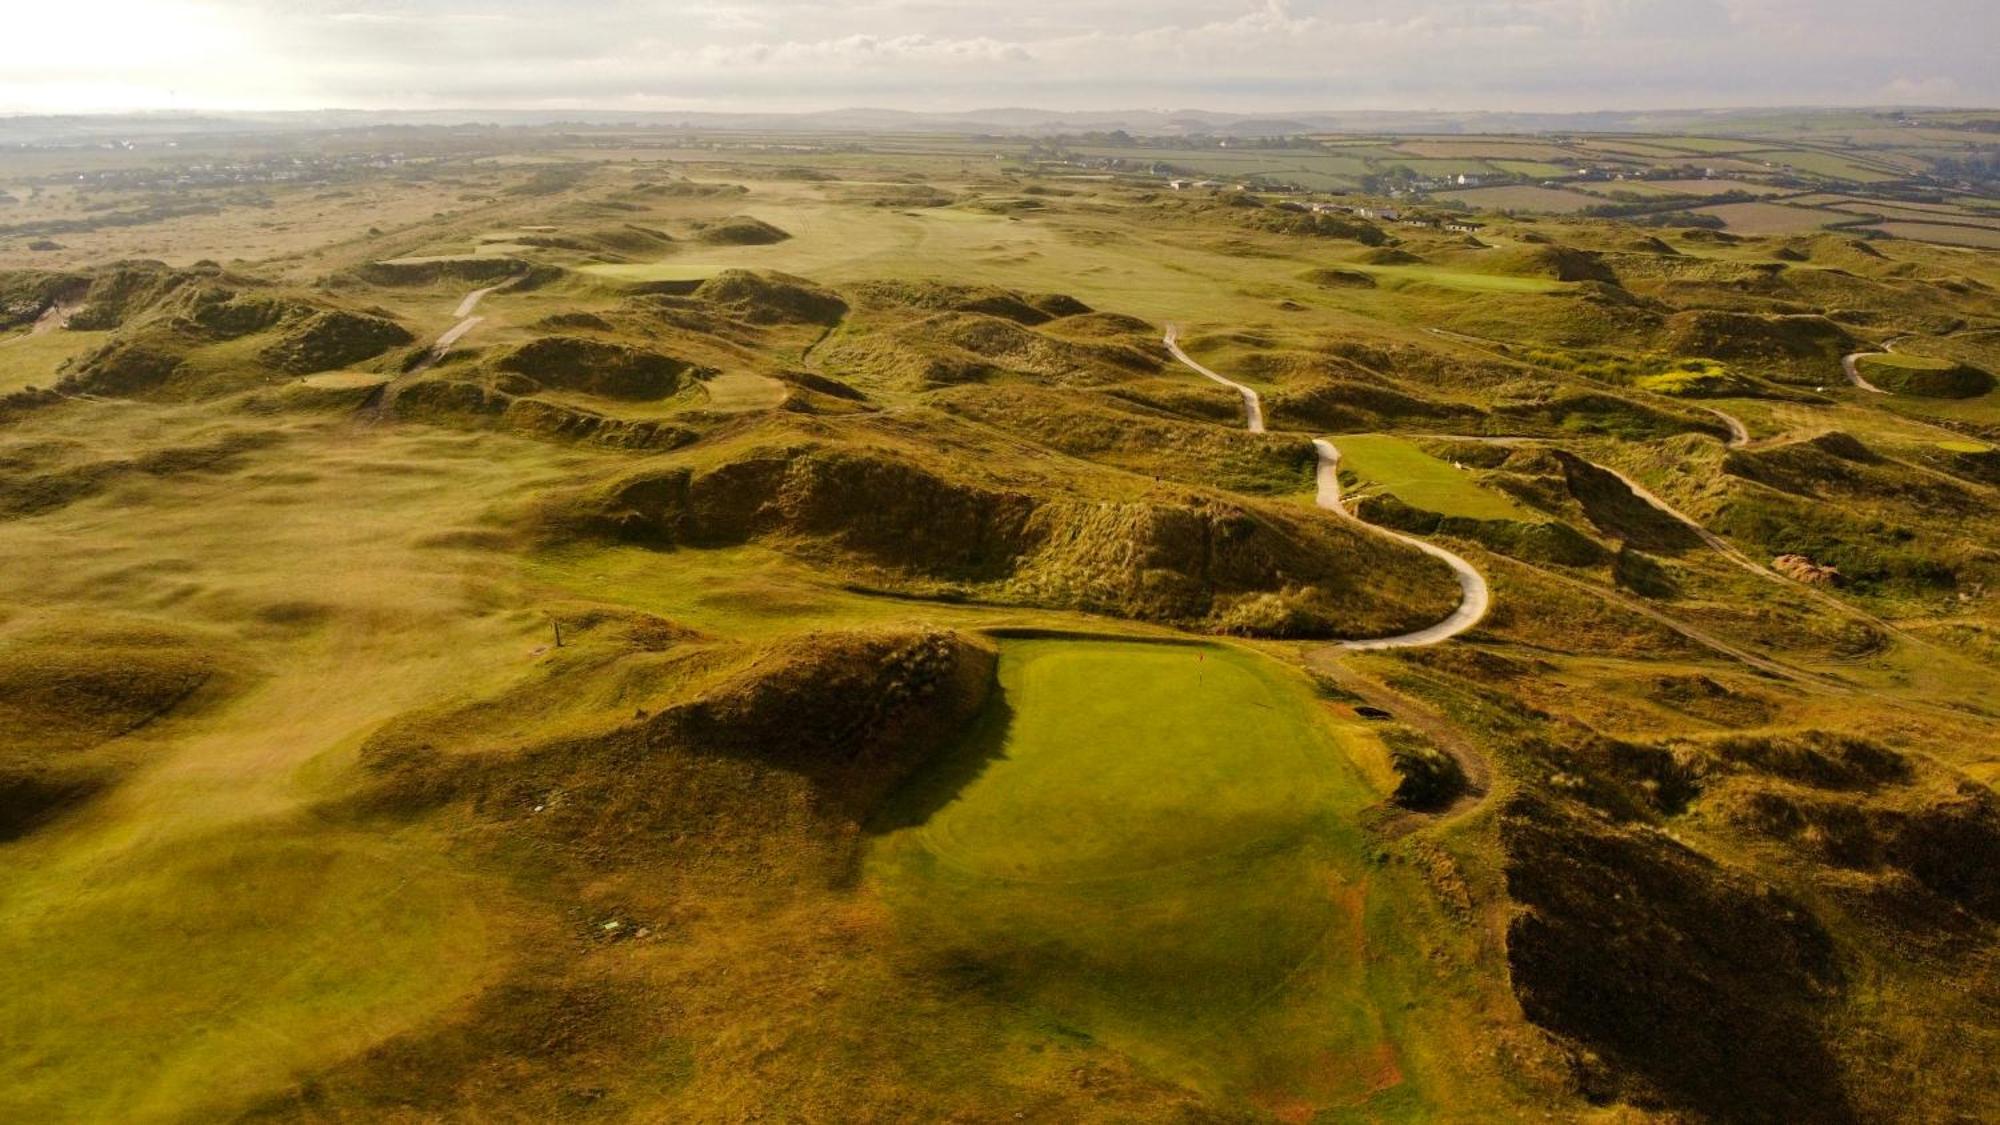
(1154, 845)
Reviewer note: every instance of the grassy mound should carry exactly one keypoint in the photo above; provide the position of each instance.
(1770, 523)
(956, 347)
(192, 334)
(986, 300)
(458, 403)
(481, 270)
(121, 291)
(1112, 432)
(1592, 412)
(1327, 278)
(1650, 244)
(1896, 850)
(26, 294)
(1659, 961)
(1924, 376)
(1103, 326)
(1620, 513)
(1831, 461)
(69, 692)
(1019, 349)
(1683, 377)
(739, 230)
(1851, 805)
(623, 242)
(55, 477)
(128, 366)
(1262, 569)
(1695, 378)
(1796, 349)
(597, 367)
(775, 298)
(723, 741)
(1349, 404)
(64, 695)
(220, 312)
(1835, 464)
(1319, 225)
(333, 338)
(1552, 261)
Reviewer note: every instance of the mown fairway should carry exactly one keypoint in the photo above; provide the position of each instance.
(1421, 480)
(1153, 846)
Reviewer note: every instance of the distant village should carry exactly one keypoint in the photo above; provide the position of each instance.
(1411, 195)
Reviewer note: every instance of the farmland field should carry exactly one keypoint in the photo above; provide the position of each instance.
(1525, 198)
(1683, 187)
(1986, 237)
(1770, 218)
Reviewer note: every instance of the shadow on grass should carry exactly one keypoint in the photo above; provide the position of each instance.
(940, 783)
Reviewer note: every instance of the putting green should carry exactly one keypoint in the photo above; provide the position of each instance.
(1154, 846)
(1423, 481)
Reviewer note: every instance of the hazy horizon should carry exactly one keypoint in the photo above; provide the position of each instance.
(1269, 56)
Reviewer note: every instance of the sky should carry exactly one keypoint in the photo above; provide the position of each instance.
(790, 55)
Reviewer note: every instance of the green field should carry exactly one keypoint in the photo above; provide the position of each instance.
(1154, 847)
(1905, 361)
(32, 360)
(1421, 480)
(1525, 197)
(152, 982)
(1769, 218)
(1925, 376)
(1463, 280)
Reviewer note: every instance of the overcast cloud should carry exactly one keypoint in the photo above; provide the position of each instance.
(957, 54)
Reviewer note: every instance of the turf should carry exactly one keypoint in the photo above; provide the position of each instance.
(186, 972)
(1464, 280)
(1423, 481)
(33, 360)
(1154, 846)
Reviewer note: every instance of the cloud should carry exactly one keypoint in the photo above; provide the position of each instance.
(1246, 54)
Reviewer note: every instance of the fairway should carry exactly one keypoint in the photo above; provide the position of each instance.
(191, 974)
(1154, 845)
(1423, 481)
(1459, 279)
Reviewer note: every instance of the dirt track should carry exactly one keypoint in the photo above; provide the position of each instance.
(1851, 364)
(468, 320)
(1739, 434)
(1253, 406)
